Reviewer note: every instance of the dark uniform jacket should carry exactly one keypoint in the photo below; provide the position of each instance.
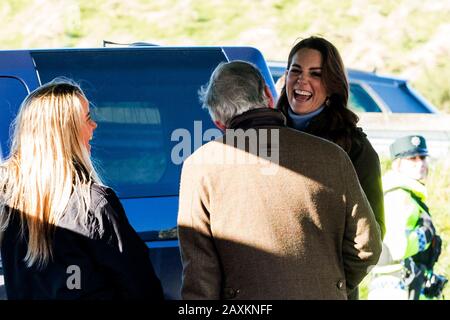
(103, 259)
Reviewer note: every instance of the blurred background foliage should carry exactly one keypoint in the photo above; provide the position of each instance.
(406, 38)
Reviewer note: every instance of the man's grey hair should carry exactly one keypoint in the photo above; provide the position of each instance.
(234, 88)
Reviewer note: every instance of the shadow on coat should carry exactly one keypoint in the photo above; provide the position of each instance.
(302, 269)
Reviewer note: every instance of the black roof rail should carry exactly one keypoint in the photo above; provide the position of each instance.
(134, 44)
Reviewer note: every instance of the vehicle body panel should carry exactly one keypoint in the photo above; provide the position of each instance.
(140, 97)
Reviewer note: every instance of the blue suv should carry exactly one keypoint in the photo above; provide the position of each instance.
(140, 96)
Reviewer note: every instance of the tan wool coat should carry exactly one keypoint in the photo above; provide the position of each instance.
(297, 227)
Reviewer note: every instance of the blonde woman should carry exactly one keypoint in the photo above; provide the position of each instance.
(63, 234)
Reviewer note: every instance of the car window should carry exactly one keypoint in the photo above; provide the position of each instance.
(12, 93)
(360, 100)
(399, 98)
(139, 98)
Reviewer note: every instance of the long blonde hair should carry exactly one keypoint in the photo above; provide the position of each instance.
(48, 164)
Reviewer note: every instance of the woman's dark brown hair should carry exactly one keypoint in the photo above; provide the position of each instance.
(336, 122)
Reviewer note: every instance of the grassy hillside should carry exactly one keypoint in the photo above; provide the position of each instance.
(402, 37)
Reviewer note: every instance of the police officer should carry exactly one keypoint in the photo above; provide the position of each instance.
(411, 246)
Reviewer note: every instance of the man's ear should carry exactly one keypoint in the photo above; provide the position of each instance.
(220, 125)
(269, 95)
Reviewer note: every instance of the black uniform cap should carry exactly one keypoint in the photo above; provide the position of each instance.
(409, 146)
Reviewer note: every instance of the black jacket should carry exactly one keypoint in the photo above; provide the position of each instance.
(363, 156)
(111, 260)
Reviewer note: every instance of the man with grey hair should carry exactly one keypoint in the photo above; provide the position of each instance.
(235, 88)
(302, 231)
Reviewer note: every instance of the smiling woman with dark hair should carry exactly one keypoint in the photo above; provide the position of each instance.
(63, 234)
(314, 100)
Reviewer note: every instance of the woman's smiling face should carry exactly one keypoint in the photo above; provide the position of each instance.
(304, 88)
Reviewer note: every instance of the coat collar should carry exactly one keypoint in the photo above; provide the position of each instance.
(261, 117)
(301, 121)
(394, 180)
